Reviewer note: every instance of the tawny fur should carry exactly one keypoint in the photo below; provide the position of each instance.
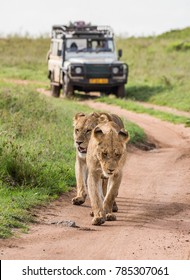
(83, 127)
(106, 157)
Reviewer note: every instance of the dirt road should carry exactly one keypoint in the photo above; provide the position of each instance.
(153, 221)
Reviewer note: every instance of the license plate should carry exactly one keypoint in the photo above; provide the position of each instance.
(98, 81)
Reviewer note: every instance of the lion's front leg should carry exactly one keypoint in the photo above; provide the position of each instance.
(112, 192)
(104, 188)
(96, 198)
(81, 179)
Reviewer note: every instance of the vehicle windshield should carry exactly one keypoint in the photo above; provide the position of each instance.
(89, 45)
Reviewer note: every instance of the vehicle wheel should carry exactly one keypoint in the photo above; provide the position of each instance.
(55, 91)
(121, 91)
(68, 90)
(102, 94)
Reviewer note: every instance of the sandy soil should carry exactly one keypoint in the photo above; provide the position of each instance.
(153, 221)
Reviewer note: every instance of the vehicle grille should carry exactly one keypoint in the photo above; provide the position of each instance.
(97, 70)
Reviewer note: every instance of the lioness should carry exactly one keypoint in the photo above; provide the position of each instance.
(105, 157)
(83, 127)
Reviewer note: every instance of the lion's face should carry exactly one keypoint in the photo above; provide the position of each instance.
(83, 126)
(111, 149)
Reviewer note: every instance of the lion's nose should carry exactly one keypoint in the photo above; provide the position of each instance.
(111, 170)
(79, 142)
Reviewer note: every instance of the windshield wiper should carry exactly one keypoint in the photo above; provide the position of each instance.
(81, 50)
(103, 50)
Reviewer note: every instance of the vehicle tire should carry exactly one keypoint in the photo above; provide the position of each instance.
(102, 94)
(121, 91)
(55, 91)
(68, 90)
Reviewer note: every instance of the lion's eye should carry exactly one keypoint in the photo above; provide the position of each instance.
(76, 130)
(88, 131)
(118, 155)
(105, 155)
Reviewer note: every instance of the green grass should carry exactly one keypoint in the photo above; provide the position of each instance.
(133, 106)
(36, 151)
(24, 58)
(158, 68)
(15, 205)
(137, 134)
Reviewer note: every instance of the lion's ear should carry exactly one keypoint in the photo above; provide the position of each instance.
(95, 114)
(104, 117)
(79, 115)
(98, 133)
(124, 135)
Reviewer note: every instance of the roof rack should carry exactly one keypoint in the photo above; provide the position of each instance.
(80, 28)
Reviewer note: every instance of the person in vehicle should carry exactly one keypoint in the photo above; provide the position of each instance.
(73, 46)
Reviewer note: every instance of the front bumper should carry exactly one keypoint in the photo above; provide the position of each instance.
(86, 84)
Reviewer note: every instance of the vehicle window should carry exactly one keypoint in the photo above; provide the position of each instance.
(110, 45)
(102, 45)
(89, 45)
(72, 45)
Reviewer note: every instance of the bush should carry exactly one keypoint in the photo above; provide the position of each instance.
(180, 46)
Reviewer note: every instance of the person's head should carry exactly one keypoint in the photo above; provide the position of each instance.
(73, 45)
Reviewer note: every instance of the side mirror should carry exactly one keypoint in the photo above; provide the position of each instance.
(120, 53)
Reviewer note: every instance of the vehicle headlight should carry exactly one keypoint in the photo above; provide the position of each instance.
(78, 70)
(115, 70)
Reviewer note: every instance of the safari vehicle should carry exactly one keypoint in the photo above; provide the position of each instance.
(83, 57)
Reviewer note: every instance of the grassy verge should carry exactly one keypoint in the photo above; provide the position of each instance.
(36, 151)
(158, 68)
(133, 106)
(24, 58)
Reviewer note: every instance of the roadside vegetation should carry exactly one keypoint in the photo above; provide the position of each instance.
(36, 152)
(36, 135)
(131, 105)
(159, 69)
(24, 58)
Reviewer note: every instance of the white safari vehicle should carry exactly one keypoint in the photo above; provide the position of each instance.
(83, 57)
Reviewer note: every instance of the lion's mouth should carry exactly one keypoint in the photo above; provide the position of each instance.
(82, 150)
(106, 174)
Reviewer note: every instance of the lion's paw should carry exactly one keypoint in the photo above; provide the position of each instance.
(110, 217)
(78, 200)
(98, 221)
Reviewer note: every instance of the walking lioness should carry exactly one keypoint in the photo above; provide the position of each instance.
(105, 157)
(83, 127)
